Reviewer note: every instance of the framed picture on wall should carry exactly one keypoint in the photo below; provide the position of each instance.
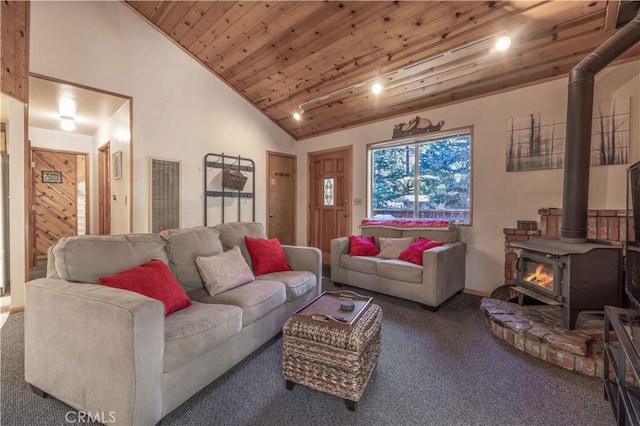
(117, 165)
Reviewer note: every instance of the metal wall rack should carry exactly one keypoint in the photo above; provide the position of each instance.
(220, 161)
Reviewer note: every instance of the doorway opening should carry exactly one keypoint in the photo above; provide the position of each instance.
(66, 117)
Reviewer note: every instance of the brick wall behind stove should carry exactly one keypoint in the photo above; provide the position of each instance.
(604, 225)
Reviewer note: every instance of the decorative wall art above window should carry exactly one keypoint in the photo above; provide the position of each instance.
(416, 126)
(536, 141)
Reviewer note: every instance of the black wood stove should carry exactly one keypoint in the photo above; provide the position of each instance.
(574, 276)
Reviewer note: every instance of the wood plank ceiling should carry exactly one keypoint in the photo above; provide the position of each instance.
(280, 55)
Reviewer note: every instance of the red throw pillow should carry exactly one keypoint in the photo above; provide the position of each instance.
(152, 279)
(266, 255)
(362, 246)
(413, 253)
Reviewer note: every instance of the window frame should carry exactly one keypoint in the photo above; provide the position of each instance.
(416, 140)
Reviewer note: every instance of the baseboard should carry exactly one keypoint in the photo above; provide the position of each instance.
(476, 292)
(17, 308)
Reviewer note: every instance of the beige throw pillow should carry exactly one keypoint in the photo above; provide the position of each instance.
(224, 271)
(392, 247)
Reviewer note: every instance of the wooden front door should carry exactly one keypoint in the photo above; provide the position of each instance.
(55, 197)
(329, 195)
(281, 199)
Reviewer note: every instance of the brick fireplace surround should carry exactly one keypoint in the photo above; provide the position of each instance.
(537, 329)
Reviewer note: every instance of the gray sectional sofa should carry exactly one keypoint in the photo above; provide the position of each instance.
(111, 351)
(441, 275)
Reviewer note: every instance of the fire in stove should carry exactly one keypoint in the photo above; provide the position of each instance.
(541, 277)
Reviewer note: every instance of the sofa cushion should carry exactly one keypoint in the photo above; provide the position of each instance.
(191, 332)
(267, 255)
(364, 264)
(224, 271)
(380, 231)
(232, 234)
(400, 270)
(85, 258)
(297, 283)
(446, 235)
(152, 279)
(392, 247)
(362, 246)
(256, 299)
(414, 252)
(183, 246)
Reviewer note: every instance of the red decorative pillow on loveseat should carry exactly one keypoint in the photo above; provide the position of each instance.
(362, 246)
(266, 255)
(413, 253)
(152, 279)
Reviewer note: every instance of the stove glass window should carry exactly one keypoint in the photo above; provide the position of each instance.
(538, 273)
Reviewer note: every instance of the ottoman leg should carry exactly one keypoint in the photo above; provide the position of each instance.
(351, 405)
(289, 384)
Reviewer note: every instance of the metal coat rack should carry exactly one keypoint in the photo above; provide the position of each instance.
(220, 161)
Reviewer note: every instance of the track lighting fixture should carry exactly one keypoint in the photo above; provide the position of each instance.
(500, 44)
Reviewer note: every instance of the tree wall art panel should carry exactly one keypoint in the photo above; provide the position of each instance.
(537, 141)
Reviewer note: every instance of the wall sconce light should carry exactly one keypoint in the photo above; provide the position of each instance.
(67, 123)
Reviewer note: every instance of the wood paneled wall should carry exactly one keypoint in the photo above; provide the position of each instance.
(14, 54)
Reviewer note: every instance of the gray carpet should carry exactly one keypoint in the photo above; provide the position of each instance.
(442, 368)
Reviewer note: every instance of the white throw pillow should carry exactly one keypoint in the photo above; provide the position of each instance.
(392, 247)
(224, 271)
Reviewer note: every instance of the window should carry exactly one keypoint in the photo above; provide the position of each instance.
(439, 166)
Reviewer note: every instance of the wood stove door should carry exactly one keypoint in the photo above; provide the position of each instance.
(541, 273)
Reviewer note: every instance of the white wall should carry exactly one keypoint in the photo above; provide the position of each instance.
(180, 110)
(115, 131)
(17, 226)
(499, 198)
(59, 140)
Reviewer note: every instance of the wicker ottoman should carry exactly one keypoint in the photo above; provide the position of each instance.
(338, 361)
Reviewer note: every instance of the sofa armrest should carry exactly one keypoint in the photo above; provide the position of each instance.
(339, 246)
(306, 259)
(99, 349)
(444, 268)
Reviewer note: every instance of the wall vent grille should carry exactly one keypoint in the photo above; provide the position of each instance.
(165, 194)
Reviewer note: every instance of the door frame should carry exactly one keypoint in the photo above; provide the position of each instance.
(104, 189)
(32, 195)
(348, 149)
(295, 190)
(131, 136)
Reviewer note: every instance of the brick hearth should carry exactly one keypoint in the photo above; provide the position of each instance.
(538, 331)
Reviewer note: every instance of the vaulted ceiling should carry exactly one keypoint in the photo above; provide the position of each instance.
(325, 55)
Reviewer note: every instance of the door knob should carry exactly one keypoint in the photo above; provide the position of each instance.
(270, 215)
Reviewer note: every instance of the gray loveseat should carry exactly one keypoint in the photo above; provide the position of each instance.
(441, 275)
(111, 351)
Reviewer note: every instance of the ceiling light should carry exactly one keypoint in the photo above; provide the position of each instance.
(67, 107)
(298, 114)
(503, 43)
(67, 123)
(376, 88)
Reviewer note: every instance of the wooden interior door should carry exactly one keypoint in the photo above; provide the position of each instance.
(281, 199)
(55, 198)
(104, 189)
(329, 195)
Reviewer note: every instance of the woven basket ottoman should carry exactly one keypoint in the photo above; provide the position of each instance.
(338, 361)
